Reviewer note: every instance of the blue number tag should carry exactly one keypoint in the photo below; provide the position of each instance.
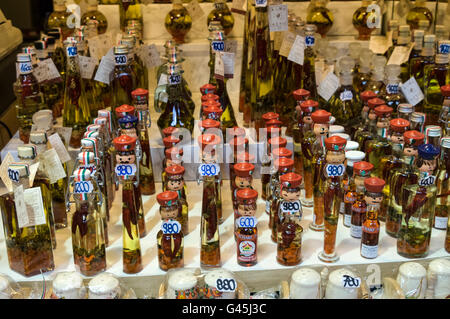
(309, 41)
(125, 170)
(260, 3)
(290, 207)
(25, 67)
(121, 59)
(209, 169)
(346, 95)
(83, 187)
(246, 222)
(13, 175)
(427, 181)
(174, 79)
(392, 88)
(171, 227)
(335, 170)
(226, 285)
(72, 51)
(218, 46)
(444, 48)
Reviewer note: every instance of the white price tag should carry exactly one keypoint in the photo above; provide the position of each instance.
(21, 208)
(105, 70)
(261, 3)
(4, 171)
(65, 133)
(350, 282)
(444, 48)
(209, 169)
(194, 9)
(346, 95)
(121, 59)
(218, 46)
(171, 227)
(335, 170)
(246, 222)
(99, 45)
(46, 70)
(286, 45)
(174, 79)
(400, 54)
(35, 207)
(392, 88)
(297, 53)
(231, 46)
(125, 170)
(238, 6)
(380, 44)
(427, 181)
(328, 86)
(83, 187)
(310, 40)
(163, 80)
(290, 208)
(226, 285)
(87, 66)
(150, 56)
(56, 142)
(14, 175)
(224, 65)
(52, 165)
(278, 17)
(412, 91)
(163, 97)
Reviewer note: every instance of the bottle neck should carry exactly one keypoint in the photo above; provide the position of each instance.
(372, 211)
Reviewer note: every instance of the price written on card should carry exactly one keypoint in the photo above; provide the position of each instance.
(125, 170)
(412, 91)
(427, 181)
(13, 175)
(350, 282)
(328, 86)
(290, 207)
(246, 222)
(226, 285)
(171, 227)
(194, 9)
(335, 170)
(209, 169)
(297, 53)
(278, 17)
(83, 187)
(150, 55)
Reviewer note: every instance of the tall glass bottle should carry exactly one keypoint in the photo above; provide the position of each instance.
(126, 174)
(404, 40)
(266, 158)
(274, 143)
(88, 238)
(300, 96)
(28, 245)
(58, 19)
(355, 215)
(393, 26)
(309, 71)
(419, 204)
(246, 227)
(417, 13)
(391, 92)
(221, 13)
(130, 12)
(320, 16)
(137, 65)
(362, 122)
(444, 116)
(175, 182)
(362, 77)
(443, 187)
(76, 112)
(178, 22)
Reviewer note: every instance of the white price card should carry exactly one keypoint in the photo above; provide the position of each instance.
(163, 79)
(231, 46)
(427, 181)
(35, 207)
(87, 66)
(150, 55)
(290, 208)
(239, 6)
(346, 95)
(328, 86)
(33, 170)
(333, 170)
(297, 53)
(105, 70)
(83, 187)
(21, 208)
(278, 17)
(52, 165)
(400, 54)
(194, 9)
(380, 44)
(65, 133)
(219, 66)
(125, 170)
(226, 285)
(4, 171)
(412, 91)
(246, 222)
(99, 45)
(286, 45)
(209, 169)
(46, 70)
(171, 227)
(351, 282)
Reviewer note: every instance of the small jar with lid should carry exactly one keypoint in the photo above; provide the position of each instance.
(412, 278)
(438, 278)
(305, 284)
(182, 284)
(342, 284)
(68, 285)
(220, 284)
(104, 286)
(246, 227)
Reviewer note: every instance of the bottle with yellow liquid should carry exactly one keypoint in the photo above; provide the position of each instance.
(92, 14)
(58, 19)
(417, 13)
(320, 16)
(221, 13)
(178, 22)
(136, 63)
(130, 13)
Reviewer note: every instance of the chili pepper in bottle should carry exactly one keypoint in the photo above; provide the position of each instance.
(300, 96)
(238, 144)
(109, 147)
(170, 142)
(127, 174)
(209, 171)
(170, 238)
(289, 231)
(369, 130)
(275, 142)
(175, 183)
(88, 233)
(281, 166)
(406, 175)
(321, 120)
(443, 186)
(242, 179)
(419, 203)
(350, 195)
(371, 226)
(266, 159)
(246, 229)
(333, 170)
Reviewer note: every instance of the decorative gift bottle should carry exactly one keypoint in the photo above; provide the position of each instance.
(130, 14)
(359, 206)
(370, 131)
(242, 179)
(246, 230)
(173, 156)
(363, 19)
(127, 174)
(238, 144)
(175, 183)
(88, 234)
(443, 187)
(362, 123)
(274, 143)
(137, 65)
(28, 242)
(309, 70)
(289, 231)
(417, 13)
(221, 13)
(178, 22)
(320, 16)
(333, 170)
(92, 14)
(170, 238)
(361, 78)
(266, 158)
(391, 92)
(376, 82)
(444, 115)
(426, 57)
(59, 19)
(419, 204)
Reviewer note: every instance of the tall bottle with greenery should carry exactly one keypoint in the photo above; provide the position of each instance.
(417, 13)
(320, 16)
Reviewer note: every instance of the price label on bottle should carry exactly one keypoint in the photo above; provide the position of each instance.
(246, 222)
(444, 48)
(209, 169)
(260, 3)
(392, 88)
(412, 91)
(83, 187)
(278, 17)
(400, 54)
(87, 66)
(121, 59)
(346, 95)
(290, 208)
(125, 170)
(174, 79)
(310, 40)
(335, 170)
(53, 166)
(351, 282)
(25, 67)
(72, 51)
(427, 181)
(218, 46)
(328, 86)
(171, 227)
(13, 175)
(226, 285)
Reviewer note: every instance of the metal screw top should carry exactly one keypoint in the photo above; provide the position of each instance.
(121, 49)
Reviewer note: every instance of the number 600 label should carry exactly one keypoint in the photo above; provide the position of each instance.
(248, 222)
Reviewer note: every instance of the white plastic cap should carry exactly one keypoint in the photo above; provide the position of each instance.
(351, 146)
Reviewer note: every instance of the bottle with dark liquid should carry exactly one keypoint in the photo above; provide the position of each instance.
(246, 229)
(443, 187)
(242, 179)
(300, 96)
(130, 12)
(371, 225)
(417, 13)
(127, 174)
(92, 14)
(239, 145)
(137, 65)
(171, 237)
(175, 182)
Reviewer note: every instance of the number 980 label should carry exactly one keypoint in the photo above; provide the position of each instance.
(335, 170)
(209, 169)
(290, 207)
(226, 285)
(125, 170)
(171, 227)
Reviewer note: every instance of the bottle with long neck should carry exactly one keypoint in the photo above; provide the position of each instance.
(320, 16)
(393, 26)
(362, 77)
(175, 182)
(246, 228)
(391, 92)
(362, 123)
(266, 158)
(419, 203)
(376, 82)
(274, 143)
(418, 37)
(309, 73)
(369, 132)
(404, 40)
(109, 150)
(76, 112)
(443, 187)
(135, 62)
(300, 96)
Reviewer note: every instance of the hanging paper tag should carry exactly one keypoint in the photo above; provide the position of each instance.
(209, 169)
(194, 9)
(246, 222)
(46, 70)
(33, 170)
(4, 171)
(21, 208)
(65, 133)
(328, 86)
(219, 67)
(171, 227)
(278, 17)
(333, 170)
(105, 70)
(87, 66)
(56, 142)
(400, 54)
(412, 91)
(125, 170)
(35, 207)
(286, 45)
(346, 95)
(228, 64)
(231, 46)
(150, 55)
(238, 6)
(52, 165)
(226, 285)
(83, 187)
(350, 282)
(380, 44)
(290, 208)
(261, 3)
(99, 45)
(297, 53)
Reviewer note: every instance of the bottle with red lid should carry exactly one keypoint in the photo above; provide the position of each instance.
(170, 238)
(333, 171)
(246, 227)
(243, 178)
(238, 145)
(172, 156)
(354, 159)
(289, 230)
(369, 130)
(406, 175)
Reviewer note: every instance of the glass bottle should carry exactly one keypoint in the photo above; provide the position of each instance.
(436, 75)
(176, 112)
(320, 16)
(88, 237)
(300, 96)
(209, 228)
(146, 178)
(361, 21)
(417, 13)
(391, 92)
(238, 144)
(247, 50)
(406, 175)
(289, 230)
(274, 142)
(345, 103)
(362, 77)
(433, 134)
(404, 40)
(354, 217)
(178, 22)
(76, 112)
(125, 162)
(246, 227)
(137, 65)
(418, 39)
(362, 123)
(175, 182)
(371, 225)
(333, 171)
(92, 14)
(321, 120)
(442, 184)
(355, 169)
(109, 147)
(405, 111)
(393, 26)
(444, 119)
(242, 179)
(171, 237)
(419, 204)
(29, 246)
(379, 147)
(266, 158)
(418, 121)
(173, 156)
(309, 70)
(376, 82)
(221, 13)
(130, 13)
(28, 94)
(58, 19)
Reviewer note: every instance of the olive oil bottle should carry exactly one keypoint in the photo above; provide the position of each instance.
(178, 22)
(58, 19)
(92, 14)
(130, 13)
(221, 13)
(320, 16)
